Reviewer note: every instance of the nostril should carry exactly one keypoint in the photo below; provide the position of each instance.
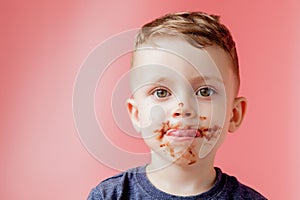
(188, 114)
(176, 114)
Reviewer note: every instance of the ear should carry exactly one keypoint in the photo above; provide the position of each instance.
(133, 113)
(238, 113)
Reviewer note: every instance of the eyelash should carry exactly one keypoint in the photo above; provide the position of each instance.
(168, 93)
(212, 91)
(154, 92)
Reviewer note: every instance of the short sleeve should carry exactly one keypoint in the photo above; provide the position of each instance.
(95, 195)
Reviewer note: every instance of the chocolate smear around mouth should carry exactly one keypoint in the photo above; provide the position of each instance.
(164, 144)
(209, 133)
(206, 132)
(189, 155)
(164, 128)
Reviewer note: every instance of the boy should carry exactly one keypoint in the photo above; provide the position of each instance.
(184, 81)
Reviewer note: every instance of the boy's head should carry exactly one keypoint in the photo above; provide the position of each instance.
(185, 79)
(197, 28)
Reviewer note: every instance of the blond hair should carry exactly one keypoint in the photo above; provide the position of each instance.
(198, 28)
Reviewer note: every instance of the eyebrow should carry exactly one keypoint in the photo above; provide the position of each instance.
(205, 78)
(161, 79)
(164, 80)
(194, 80)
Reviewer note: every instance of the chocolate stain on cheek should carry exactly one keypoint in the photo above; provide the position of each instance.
(209, 133)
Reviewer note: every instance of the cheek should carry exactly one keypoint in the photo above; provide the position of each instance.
(151, 114)
(216, 117)
(151, 117)
(157, 113)
(212, 112)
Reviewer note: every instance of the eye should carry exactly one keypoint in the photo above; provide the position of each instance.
(161, 93)
(205, 92)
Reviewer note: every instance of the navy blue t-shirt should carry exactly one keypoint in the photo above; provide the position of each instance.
(134, 184)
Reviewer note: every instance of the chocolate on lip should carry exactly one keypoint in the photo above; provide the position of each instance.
(167, 128)
(183, 133)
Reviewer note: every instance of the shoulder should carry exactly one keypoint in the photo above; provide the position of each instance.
(238, 190)
(114, 187)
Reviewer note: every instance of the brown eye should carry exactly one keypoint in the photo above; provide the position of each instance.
(161, 93)
(205, 92)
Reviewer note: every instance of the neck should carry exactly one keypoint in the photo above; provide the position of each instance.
(179, 179)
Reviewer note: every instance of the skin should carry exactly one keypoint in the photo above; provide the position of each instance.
(180, 87)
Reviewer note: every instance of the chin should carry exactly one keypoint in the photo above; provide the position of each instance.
(183, 155)
(187, 158)
(183, 162)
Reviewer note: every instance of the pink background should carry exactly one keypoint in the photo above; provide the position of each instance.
(43, 44)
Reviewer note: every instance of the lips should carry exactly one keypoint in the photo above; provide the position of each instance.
(183, 133)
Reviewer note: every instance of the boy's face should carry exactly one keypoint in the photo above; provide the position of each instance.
(183, 100)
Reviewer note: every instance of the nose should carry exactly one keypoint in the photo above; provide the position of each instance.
(184, 111)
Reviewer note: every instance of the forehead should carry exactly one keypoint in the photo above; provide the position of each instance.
(169, 53)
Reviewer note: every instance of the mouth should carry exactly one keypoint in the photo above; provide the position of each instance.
(175, 132)
(183, 133)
